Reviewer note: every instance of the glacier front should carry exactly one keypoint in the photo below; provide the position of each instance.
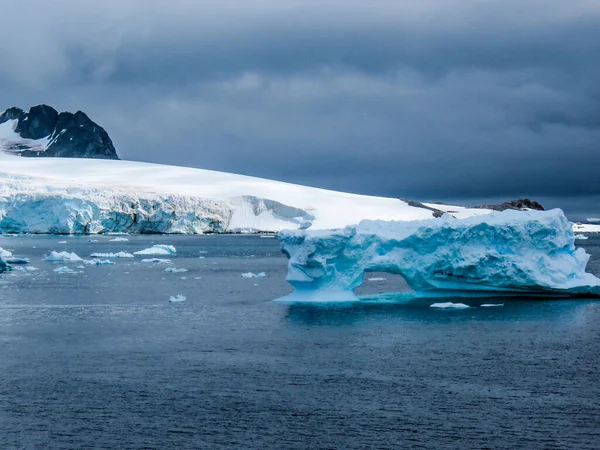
(510, 252)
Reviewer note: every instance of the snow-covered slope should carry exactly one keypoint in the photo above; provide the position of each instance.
(59, 195)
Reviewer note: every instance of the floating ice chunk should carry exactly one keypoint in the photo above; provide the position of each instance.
(492, 305)
(92, 240)
(581, 236)
(376, 279)
(17, 260)
(62, 242)
(65, 269)
(112, 255)
(449, 305)
(158, 249)
(203, 251)
(254, 275)
(98, 262)
(264, 236)
(62, 257)
(177, 299)
(522, 252)
(5, 253)
(157, 260)
(184, 278)
(175, 270)
(4, 267)
(119, 239)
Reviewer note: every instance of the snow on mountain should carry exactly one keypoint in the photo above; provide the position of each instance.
(74, 195)
(530, 252)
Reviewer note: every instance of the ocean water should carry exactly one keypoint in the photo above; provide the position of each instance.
(100, 359)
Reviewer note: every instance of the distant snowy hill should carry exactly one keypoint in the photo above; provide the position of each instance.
(44, 132)
(60, 195)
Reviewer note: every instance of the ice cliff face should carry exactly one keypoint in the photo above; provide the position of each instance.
(44, 132)
(510, 251)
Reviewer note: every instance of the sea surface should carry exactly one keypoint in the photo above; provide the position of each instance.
(100, 359)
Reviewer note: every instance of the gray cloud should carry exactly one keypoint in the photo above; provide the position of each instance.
(433, 100)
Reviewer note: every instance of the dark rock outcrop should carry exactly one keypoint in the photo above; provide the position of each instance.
(520, 204)
(70, 135)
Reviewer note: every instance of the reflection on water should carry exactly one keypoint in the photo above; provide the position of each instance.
(405, 307)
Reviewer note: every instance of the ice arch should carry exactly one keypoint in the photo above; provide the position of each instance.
(530, 252)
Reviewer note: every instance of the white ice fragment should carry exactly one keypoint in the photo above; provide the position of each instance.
(119, 239)
(449, 305)
(158, 249)
(65, 269)
(98, 262)
(62, 257)
(17, 260)
(5, 253)
(175, 270)
(581, 237)
(492, 305)
(177, 299)
(112, 255)
(62, 242)
(376, 279)
(254, 275)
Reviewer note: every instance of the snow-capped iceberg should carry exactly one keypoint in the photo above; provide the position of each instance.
(62, 257)
(505, 252)
(158, 249)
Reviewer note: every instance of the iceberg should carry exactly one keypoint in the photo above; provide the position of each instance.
(509, 252)
(157, 260)
(175, 270)
(119, 239)
(449, 305)
(14, 260)
(158, 249)
(582, 237)
(177, 299)
(112, 255)
(254, 275)
(65, 269)
(62, 257)
(4, 267)
(5, 253)
(98, 262)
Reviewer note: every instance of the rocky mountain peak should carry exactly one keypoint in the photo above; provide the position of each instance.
(43, 132)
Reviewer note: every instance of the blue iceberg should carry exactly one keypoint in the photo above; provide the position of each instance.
(509, 252)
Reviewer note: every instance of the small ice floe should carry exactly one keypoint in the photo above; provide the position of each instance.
(62, 257)
(111, 255)
(254, 275)
(581, 236)
(157, 260)
(62, 242)
(98, 262)
(119, 239)
(376, 279)
(200, 257)
(5, 253)
(203, 251)
(492, 305)
(158, 249)
(264, 236)
(14, 260)
(175, 270)
(26, 269)
(177, 299)
(65, 269)
(449, 305)
(184, 278)
(197, 278)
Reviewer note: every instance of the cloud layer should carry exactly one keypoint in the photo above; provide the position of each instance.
(431, 99)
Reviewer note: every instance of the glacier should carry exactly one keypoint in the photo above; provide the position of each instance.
(94, 196)
(509, 252)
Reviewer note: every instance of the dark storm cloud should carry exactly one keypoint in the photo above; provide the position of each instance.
(433, 99)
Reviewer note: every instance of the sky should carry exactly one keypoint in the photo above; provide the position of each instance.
(441, 100)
